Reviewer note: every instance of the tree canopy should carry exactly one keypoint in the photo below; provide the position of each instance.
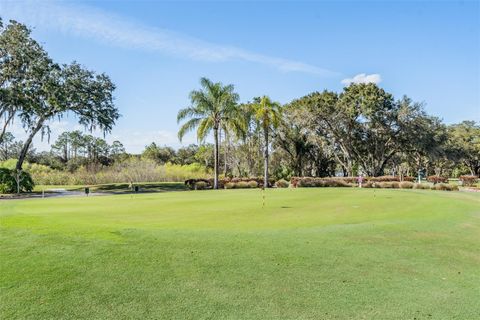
(37, 91)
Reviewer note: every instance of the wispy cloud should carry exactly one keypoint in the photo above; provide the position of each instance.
(363, 78)
(116, 30)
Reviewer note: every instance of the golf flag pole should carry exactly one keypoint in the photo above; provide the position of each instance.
(263, 197)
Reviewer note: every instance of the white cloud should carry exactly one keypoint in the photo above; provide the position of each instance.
(116, 30)
(363, 78)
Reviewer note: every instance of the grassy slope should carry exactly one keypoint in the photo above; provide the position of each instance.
(310, 254)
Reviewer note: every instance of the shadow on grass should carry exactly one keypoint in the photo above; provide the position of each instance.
(143, 187)
(105, 189)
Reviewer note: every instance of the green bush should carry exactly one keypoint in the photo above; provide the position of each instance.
(201, 185)
(8, 181)
(384, 178)
(242, 185)
(229, 185)
(423, 186)
(4, 188)
(444, 187)
(453, 187)
(282, 183)
(128, 170)
(9, 164)
(308, 182)
(367, 184)
(406, 185)
(385, 185)
(333, 182)
(253, 184)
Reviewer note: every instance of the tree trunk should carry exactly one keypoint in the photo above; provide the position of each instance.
(345, 171)
(215, 156)
(225, 141)
(28, 142)
(265, 176)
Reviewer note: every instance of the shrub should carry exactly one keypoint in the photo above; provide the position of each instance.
(437, 179)
(367, 184)
(334, 183)
(452, 187)
(253, 184)
(294, 181)
(421, 186)
(349, 180)
(281, 183)
(306, 183)
(468, 181)
(201, 185)
(229, 185)
(444, 187)
(309, 182)
(259, 181)
(4, 188)
(128, 170)
(8, 181)
(242, 185)
(385, 185)
(406, 185)
(191, 183)
(385, 178)
(408, 179)
(438, 186)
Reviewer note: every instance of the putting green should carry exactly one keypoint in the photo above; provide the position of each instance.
(326, 253)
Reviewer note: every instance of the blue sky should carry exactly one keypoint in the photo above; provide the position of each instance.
(156, 51)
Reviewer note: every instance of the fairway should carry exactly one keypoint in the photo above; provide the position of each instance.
(319, 253)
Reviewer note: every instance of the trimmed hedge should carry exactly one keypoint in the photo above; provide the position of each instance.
(437, 179)
(468, 181)
(201, 185)
(421, 186)
(367, 182)
(384, 182)
(309, 182)
(253, 184)
(406, 185)
(282, 183)
(234, 183)
(444, 187)
(242, 185)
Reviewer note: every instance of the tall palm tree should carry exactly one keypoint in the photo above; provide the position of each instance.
(268, 115)
(212, 108)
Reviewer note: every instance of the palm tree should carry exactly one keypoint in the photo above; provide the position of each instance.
(268, 115)
(213, 107)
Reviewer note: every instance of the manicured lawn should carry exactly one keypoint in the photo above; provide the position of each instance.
(309, 254)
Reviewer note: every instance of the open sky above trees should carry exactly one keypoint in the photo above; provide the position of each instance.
(155, 52)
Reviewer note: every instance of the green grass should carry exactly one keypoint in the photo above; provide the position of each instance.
(309, 254)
